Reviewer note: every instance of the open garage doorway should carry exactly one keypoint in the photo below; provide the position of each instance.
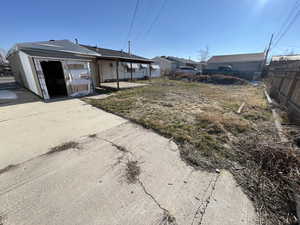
(54, 78)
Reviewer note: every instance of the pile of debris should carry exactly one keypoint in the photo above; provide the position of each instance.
(212, 79)
(270, 174)
(221, 79)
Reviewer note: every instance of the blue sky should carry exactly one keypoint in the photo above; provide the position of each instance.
(182, 29)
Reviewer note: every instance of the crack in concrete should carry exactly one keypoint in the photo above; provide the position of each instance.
(167, 219)
(119, 147)
(203, 206)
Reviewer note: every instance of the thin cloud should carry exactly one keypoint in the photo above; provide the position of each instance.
(260, 4)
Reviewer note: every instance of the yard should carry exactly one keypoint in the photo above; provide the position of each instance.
(203, 120)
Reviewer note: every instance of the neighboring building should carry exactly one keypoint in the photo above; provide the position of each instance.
(284, 62)
(4, 66)
(3, 60)
(166, 66)
(129, 66)
(185, 62)
(52, 69)
(169, 64)
(248, 65)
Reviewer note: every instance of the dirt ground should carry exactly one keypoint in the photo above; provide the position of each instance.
(203, 120)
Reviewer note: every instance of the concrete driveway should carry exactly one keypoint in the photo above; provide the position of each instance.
(84, 179)
(30, 129)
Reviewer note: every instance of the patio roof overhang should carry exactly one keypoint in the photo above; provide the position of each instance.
(124, 59)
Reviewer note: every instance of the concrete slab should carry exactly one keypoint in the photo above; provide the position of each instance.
(122, 85)
(227, 198)
(14, 95)
(30, 129)
(7, 94)
(87, 185)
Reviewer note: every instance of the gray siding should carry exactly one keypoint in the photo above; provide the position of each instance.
(239, 66)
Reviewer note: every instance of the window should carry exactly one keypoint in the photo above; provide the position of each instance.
(129, 70)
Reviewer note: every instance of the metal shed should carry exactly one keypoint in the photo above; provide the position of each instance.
(53, 69)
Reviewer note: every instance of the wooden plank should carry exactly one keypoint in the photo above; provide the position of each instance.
(241, 108)
(268, 97)
(278, 126)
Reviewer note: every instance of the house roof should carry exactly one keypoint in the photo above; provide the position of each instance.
(115, 54)
(286, 58)
(162, 58)
(253, 57)
(55, 48)
(181, 60)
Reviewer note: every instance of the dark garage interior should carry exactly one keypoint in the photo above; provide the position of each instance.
(54, 77)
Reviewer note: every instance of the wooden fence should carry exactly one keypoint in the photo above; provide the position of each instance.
(284, 86)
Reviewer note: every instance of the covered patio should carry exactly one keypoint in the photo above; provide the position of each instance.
(116, 69)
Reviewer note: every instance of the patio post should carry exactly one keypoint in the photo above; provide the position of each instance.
(149, 71)
(117, 63)
(131, 71)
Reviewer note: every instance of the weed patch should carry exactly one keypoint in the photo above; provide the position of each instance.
(63, 147)
(133, 171)
(7, 168)
(92, 135)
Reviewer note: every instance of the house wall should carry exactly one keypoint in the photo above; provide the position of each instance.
(17, 68)
(108, 71)
(166, 66)
(247, 70)
(238, 66)
(155, 73)
(23, 70)
(29, 75)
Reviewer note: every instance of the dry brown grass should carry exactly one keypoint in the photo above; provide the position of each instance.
(192, 113)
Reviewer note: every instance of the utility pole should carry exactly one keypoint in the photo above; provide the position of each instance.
(129, 52)
(129, 43)
(268, 49)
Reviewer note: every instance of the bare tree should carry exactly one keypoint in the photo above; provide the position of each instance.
(204, 54)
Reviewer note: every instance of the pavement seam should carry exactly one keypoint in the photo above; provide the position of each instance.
(205, 204)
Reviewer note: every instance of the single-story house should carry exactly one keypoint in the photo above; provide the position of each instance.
(169, 64)
(129, 66)
(248, 65)
(60, 68)
(185, 62)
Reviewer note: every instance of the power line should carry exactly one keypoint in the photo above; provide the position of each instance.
(154, 20)
(287, 29)
(290, 14)
(132, 20)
